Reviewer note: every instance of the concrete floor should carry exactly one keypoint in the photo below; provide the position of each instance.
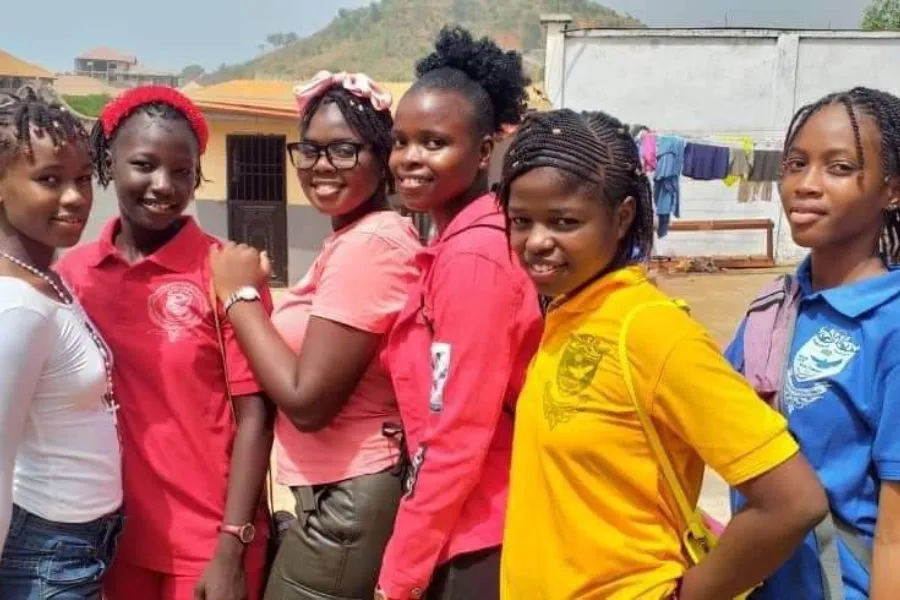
(718, 301)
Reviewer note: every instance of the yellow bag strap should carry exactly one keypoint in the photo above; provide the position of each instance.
(689, 515)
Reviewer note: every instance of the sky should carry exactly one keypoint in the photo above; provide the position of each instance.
(172, 34)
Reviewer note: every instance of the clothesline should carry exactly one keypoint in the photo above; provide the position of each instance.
(668, 157)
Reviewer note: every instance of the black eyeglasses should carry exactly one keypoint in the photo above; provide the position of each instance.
(341, 155)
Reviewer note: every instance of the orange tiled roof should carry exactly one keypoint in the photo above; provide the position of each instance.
(10, 66)
(269, 98)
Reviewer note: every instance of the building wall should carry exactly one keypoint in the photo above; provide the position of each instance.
(215, 161)
(719, 86)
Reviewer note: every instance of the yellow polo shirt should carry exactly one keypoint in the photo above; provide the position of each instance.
(590, 516)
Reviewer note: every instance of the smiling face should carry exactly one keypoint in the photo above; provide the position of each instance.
(438, 156)
(333, 191)
(831, 200)
(47, 196)
(562, 233)
(154, 168)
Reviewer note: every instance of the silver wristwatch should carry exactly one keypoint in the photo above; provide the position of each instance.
(243, 294)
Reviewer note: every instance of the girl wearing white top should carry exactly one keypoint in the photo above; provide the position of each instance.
(60, 462)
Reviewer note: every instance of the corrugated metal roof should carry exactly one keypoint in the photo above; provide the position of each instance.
(107, 53)
(10, 66)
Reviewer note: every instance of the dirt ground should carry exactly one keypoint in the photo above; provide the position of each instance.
(717, 300)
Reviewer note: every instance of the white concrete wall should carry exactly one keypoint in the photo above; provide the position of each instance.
(714, 85)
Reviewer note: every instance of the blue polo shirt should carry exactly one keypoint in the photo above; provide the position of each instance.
(840, 394)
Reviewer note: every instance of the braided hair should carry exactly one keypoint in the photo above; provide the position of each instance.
(884, 108)
(492, 79)
(25, 112)
(373, 126)
(593, 152)
(101, 144)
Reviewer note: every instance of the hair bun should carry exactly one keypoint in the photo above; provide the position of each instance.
(498, 71)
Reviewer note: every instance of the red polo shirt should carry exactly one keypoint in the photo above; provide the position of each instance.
(176, 423)
(457, 358)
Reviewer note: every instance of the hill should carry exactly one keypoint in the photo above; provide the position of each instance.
(384, 39)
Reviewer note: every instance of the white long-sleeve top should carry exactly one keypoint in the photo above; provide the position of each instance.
(59, 452)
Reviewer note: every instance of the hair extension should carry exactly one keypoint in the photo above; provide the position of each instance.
(884, 108)
(373, 126)
(592, 151)
(491, 79)
(157, 102)
(26, 112)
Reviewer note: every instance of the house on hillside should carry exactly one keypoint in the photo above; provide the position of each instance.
(15, 72)
(118, 68)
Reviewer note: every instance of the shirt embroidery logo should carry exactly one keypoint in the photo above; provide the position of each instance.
(822, 357)
(440, 372)
(176, 308)
(575, 372)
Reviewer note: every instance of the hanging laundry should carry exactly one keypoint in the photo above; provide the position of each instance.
(740, 165)
(705, 162)
(766, 165)
(667, 179)
(753, 191)
(648, 151)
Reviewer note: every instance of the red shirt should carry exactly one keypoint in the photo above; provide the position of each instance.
(176, 423)
(457, 358)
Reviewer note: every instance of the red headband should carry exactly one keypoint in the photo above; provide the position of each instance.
(127, 102)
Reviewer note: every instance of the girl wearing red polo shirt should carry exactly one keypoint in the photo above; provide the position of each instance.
(459, 350)
(194, 461)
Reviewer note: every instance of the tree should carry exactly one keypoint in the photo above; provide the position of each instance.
(882, 15)
(290, 38)
(192, 72)
(275, 39)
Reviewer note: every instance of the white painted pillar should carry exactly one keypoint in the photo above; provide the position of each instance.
(555, 57)
(784, 80)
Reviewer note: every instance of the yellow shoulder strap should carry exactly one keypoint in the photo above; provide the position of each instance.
(689, 515)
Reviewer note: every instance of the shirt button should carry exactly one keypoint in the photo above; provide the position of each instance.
(416, 593)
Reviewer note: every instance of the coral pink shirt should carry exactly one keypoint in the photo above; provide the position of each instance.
(360, 278)
(457, 357)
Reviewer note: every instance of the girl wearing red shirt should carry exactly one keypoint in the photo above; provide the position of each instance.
(194, 461)
(458, 352)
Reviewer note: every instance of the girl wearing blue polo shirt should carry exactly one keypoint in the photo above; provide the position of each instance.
(824, 345)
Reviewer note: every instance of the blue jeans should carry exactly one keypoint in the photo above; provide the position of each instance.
(43, 560)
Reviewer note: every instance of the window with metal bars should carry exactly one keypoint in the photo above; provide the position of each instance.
(257, 168)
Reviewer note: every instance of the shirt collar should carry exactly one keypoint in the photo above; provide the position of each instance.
(587, 298)
(853, 299)
(177, 255)
(478, 209)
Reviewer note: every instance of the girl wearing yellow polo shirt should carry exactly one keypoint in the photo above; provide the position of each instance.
(591, 513)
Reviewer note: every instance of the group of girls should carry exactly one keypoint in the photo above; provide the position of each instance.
(144, 376)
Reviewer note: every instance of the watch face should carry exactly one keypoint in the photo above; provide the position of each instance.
(248, 294)
(248, 533)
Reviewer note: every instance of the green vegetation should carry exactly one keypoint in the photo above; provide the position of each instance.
(882, 15)
(89, 106)
(384, 39)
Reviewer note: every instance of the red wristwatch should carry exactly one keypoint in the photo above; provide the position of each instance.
(246, 533)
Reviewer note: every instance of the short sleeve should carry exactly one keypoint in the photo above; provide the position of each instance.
(886, 447)
(364, 283)
(241, 379)
(714, 410)
(734, 352)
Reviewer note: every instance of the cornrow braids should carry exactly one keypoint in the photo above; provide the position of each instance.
(591, 150)
(884, 108)
(101, 144)
(492, 79)
(373, 126)
(26, 112)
